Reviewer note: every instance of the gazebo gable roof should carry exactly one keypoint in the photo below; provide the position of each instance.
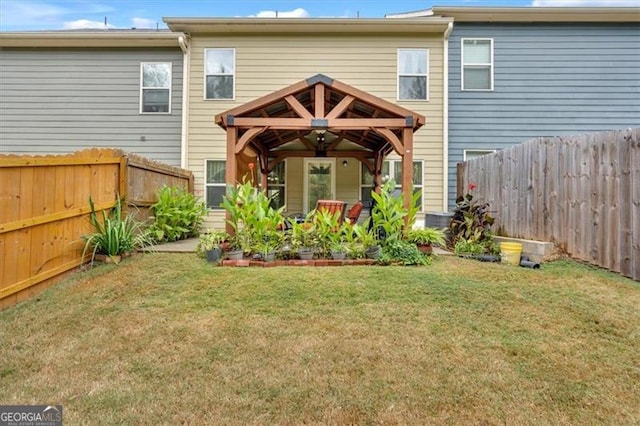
(323, 104)
(364, 104)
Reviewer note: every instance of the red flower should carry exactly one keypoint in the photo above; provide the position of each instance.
(251, 166)
(472, 186)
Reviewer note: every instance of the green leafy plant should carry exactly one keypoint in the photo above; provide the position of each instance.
(390, 218)
(355, 238)
(305, 234)
(253, 219)
(401, 252)
(427, 236)
(466, 247)
(210, 240)
(176, 215)
(328, 231)
(114, 234)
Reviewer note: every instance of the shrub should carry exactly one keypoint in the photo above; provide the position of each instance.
(176, 215)
(401, 252)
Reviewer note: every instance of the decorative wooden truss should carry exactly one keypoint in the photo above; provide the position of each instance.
(321, 117)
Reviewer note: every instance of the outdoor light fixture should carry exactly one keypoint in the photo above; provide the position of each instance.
(345, 163)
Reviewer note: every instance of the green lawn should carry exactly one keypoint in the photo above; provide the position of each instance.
(168, 338)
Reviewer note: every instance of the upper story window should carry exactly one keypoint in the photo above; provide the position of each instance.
(477, 64)
(155, 87)
(220, 66)
(413, 74)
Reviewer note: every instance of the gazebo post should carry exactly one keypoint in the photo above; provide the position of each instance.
(377, 175)
(407, 167)
(264, 172)
(231, 166)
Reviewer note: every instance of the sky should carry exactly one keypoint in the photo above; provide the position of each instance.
(28, 15)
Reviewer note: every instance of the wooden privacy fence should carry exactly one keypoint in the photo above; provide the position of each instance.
(580, 192)
(44, 209)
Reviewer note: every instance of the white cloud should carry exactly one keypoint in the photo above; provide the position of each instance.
(85, 24)
(39, 15)
(15, 14)
(143, 22)
(295, 13)
(586, 3)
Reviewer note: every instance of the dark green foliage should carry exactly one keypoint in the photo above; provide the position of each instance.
(177, 215)
(401, 252)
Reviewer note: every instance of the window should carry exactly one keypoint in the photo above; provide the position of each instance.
(215, 183)
(391, 169)
(220, 65)
(155, 87)
(276, 186)
(477, 64)
(469, 154)
(413, 75)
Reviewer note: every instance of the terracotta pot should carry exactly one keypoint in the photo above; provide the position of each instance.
(425, 248)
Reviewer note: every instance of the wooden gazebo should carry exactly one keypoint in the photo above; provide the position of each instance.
(321, 117)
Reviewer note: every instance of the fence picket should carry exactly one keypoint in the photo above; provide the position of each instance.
(44, 204)
(580, 192)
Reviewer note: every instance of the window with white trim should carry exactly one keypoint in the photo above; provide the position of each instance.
(220, 66)
(215, 182)
(155, 87)
(276, 186)
(413, 74)
(391, 169)
(468, 154)
(477, 64)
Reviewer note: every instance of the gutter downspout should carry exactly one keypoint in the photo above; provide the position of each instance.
(445, 119)
(183, 41)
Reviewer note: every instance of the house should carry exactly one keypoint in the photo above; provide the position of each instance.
(520, 73)
(315, 108)
(62, 91)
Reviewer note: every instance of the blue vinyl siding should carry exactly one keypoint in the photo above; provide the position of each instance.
(549, 80)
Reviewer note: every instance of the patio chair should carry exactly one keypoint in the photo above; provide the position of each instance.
(354, 212)
(332, 206)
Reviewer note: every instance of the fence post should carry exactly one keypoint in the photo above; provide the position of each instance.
(124, 183)
(460, 179)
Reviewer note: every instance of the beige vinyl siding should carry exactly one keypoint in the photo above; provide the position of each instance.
(267, 63)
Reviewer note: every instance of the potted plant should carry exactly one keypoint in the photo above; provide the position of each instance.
(268, 245)
(303, 238)
(209, 244)
(368, 241)
(426, 238)
(236, 251)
